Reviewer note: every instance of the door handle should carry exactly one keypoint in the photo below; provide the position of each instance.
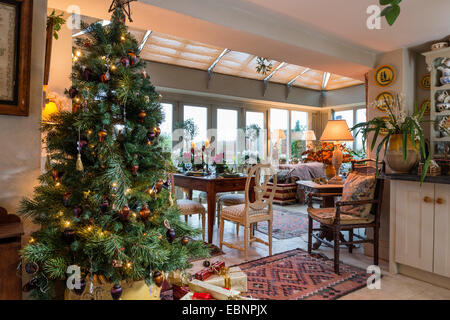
(440, 201)
(427, 200)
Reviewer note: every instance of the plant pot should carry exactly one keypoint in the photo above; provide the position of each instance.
(220, 168)
(329, 171)
(394, 154)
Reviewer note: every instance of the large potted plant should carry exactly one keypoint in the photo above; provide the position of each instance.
(401, 136)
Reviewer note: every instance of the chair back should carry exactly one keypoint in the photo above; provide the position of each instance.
(262, 174)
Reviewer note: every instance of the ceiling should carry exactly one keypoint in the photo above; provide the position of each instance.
(420, 20)
(173, 50)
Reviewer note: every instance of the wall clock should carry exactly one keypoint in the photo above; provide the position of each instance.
(383, 99)
(426, 104)
(425, 82)
(385, 75)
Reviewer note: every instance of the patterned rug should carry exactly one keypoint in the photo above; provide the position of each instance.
(295, 275)
(286, 224)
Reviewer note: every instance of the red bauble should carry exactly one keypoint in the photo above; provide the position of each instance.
(77, 211)
(133, 58)
(124, 213)
(134, 169)
(105, 77)
(116, 292)
(125, 62)
(151, 136)
(144, 213)
(76, 107)
(66, 198)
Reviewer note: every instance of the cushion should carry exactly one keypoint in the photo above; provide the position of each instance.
(326, 216)
(232, 199)
(359, 186)
(190, 207)
(237, 211)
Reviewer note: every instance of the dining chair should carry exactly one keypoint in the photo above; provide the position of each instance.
(189, 207)
(249, 213)
(360, 208)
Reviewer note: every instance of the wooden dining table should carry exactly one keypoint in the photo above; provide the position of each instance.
(212, 185)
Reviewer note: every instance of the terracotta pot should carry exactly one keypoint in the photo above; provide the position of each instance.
(394, 154)
(329, 170)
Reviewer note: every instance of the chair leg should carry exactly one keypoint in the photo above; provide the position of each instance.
(336, 250)
(270, 236)
(246, 230)
(203, 225)
(221, 232)
(376, 244)
(219, 209)
(310, 231)
(186, 218)
(237, 229)
(350, 239)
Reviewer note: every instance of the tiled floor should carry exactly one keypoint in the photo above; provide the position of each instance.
(393, 287)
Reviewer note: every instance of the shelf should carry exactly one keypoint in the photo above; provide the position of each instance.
(442, 114)
(444, 51)
(444, 139)
(441, 88)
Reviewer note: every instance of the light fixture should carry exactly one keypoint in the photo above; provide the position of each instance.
(337, 131)
(309, 137)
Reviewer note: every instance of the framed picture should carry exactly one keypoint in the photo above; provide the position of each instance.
(385, 75)
(425, 82)
(15, 56)
(382, 99)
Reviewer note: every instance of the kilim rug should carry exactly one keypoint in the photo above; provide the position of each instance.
(295, 275)
(286, 224)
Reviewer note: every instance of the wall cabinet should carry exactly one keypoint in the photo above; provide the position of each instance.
(420, 226)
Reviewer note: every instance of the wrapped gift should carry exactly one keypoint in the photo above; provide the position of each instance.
(215, 268)
(218, 293)
(237, 280)
(179, 292)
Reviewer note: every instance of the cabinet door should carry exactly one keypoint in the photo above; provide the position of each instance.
(442, 230)
(414, 224)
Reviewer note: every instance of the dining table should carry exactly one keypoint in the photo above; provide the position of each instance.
(212, 185)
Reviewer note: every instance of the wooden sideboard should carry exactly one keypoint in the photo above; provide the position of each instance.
(11, 231)
(420, 229)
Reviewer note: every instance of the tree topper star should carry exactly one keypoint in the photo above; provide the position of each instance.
(124, 5)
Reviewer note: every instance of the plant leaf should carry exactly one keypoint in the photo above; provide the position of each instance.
(405, 145)
(425, 168)
(392, 14)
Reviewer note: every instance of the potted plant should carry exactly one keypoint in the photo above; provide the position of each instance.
(401, 136)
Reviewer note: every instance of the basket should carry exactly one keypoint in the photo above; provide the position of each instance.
(433, 170)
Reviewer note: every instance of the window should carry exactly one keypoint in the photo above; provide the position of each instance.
(200, 117)
(279, 126)
(361, 116)
(166, 126)
(227, 131)
(254, 134)
(299, 125)
(353, 117)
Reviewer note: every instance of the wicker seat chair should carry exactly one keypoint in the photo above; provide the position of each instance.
(190, 207)
(249, 213)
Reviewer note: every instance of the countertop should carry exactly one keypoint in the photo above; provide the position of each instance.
(415, 177)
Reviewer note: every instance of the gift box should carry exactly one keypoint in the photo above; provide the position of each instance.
(179, 292)
(218, 293)
(215, 268)
(238, 280)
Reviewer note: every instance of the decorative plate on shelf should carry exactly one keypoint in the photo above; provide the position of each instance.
(385, 75)
(384, 132)
(384, 98)
(425, 82)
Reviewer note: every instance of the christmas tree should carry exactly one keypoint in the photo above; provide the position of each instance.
(104, 203)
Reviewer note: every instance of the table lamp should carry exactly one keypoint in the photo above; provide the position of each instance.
(310, 136)
(337, 131)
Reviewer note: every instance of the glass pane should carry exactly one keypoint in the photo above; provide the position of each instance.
(279, 134)
(166, 126)
(346, 115)
(227, 128)
(299, 125)
(361, 116)
(200, 117)
(254, 136)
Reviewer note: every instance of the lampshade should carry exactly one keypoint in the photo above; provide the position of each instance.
(279, 135)
(310, 135)
(336, 130)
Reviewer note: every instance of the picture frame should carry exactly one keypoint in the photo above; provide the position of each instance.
(385, 75)
(16, 17)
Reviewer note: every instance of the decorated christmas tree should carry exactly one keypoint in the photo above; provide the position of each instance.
(104, 205)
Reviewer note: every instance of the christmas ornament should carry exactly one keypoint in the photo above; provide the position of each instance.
(171, 202)
(151, 136)
(102, 134)
(158, 278)
(76, 107)
(124, 5)
(124, 213)
(132, 58)
(159, 186)
(77, 211)
(206, 263)
(144, 74)
(79, 164)
(31, 268)
(87, 44)
(66, 198)
(144, 213)
(31, 285)
(56, 175)
(116, 292)
(83, 143)
(170, 234)
(117, 264)
(79, 291)
(105, 77)
(157, 132)
(104, 206)
(134, 169)
(142, 116)
(73, 92)
(125, 62)
(185, 241)
(69, 235)
(87, 74)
